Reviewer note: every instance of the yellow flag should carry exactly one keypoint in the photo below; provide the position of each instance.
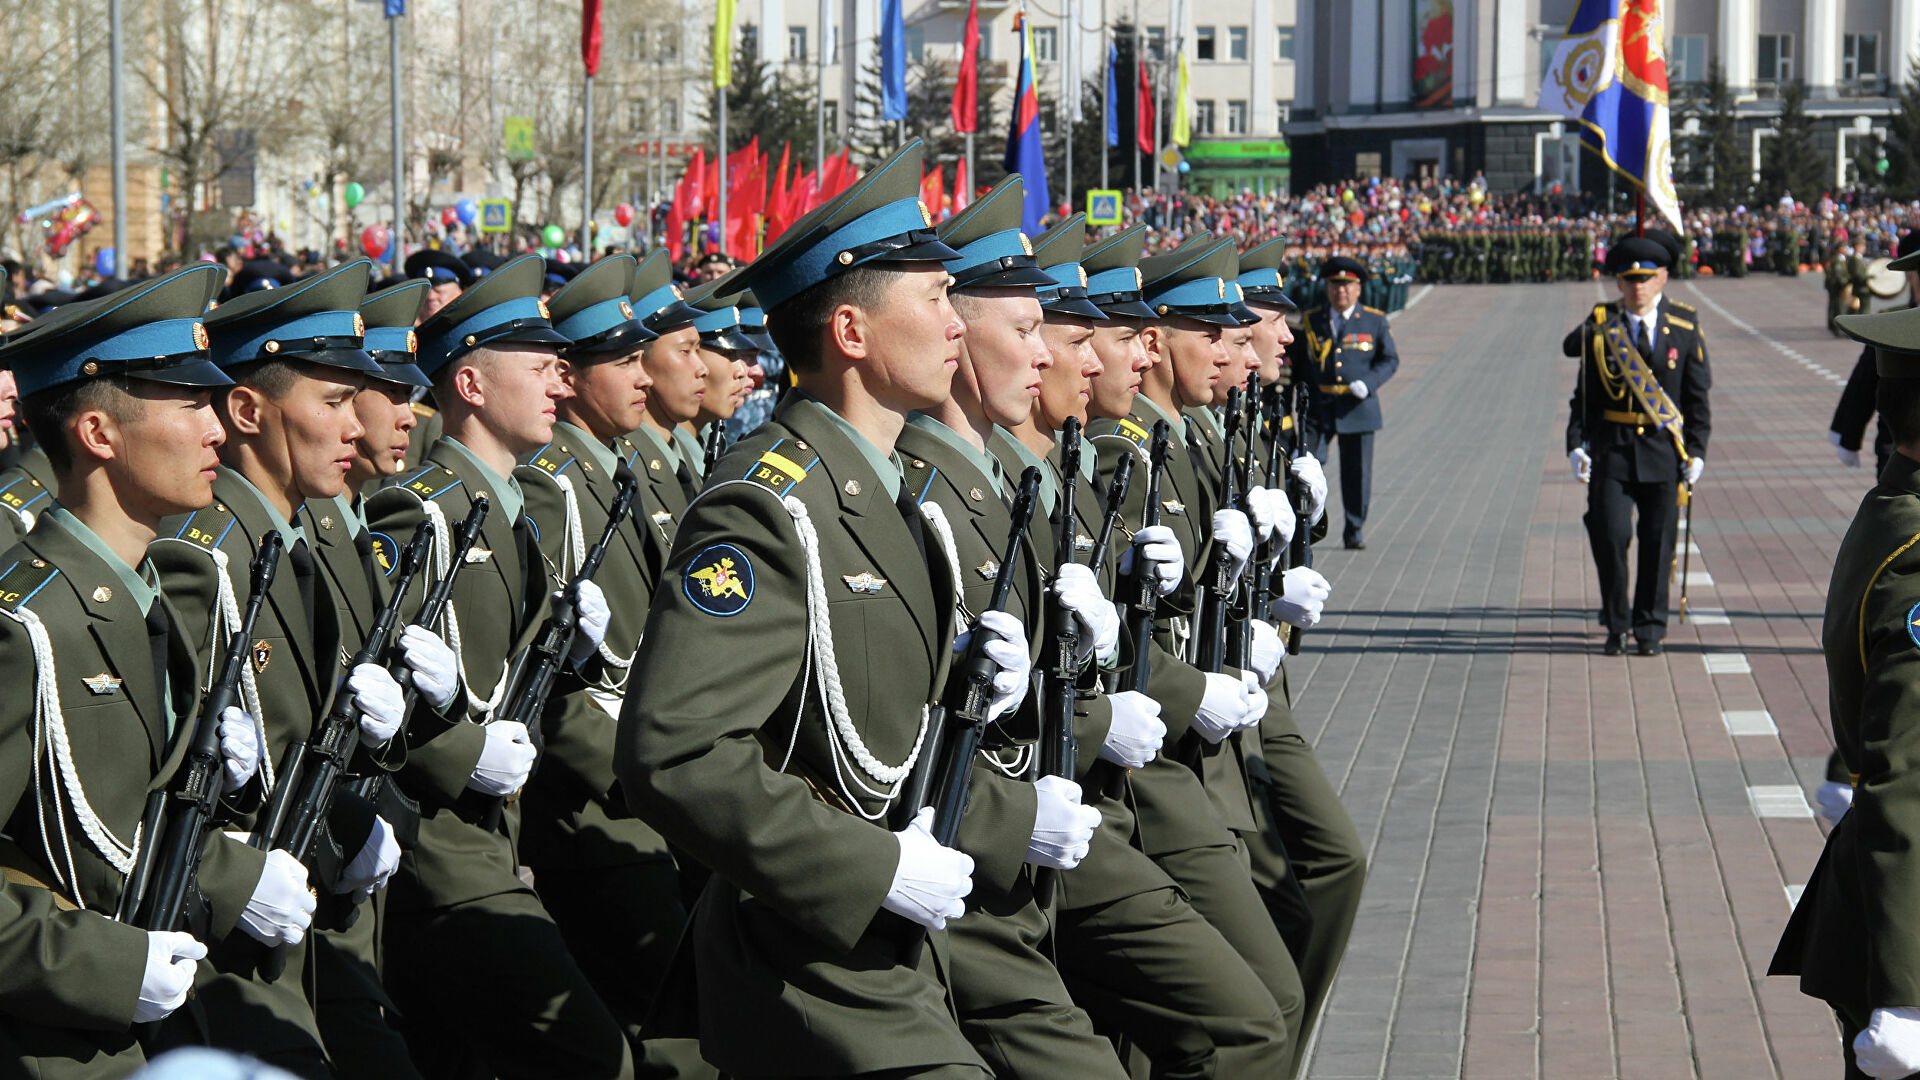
(723, 43)
(1182, 106)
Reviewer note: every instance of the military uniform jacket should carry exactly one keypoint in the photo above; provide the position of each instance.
(726, 746)
(1851, 938)
(1638, 451)
(70, 978)
(1364, 353)
(661, 490)
(26, 490)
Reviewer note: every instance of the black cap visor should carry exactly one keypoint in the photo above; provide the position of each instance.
(522, 332)
(672, 317)
(401, 370)
(345, 359)
(193, 370)
(1077, 307)
(762, 340)
(730, 339)
(621, 341)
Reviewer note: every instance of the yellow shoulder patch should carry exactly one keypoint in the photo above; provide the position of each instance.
(1674, 320)
(779, 471)
(1135, 432)
(1373, 310)
(431, 482)
(1678, 306)
(422, 410)
(23, 579)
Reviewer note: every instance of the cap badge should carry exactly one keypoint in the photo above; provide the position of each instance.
(926, 216)
(626, 310)
(1220, 285)
(542, 305)
(1138, 281)
(200, 339)
(1026, 245)
(413, 342)
(359, 325)
(1083, 276)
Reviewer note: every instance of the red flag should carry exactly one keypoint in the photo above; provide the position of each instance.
(966, 108)
(1149, 127)
(590, 36)
(693, 186)
(677, 217)
(933, 191)
(962, 185)
(710, 189)
(806, 188)
(777, 213)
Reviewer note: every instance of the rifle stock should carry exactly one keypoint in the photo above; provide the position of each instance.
(1218, 593)
(1143, 593)
(1058, 751)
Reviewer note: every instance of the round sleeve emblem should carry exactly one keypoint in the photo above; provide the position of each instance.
(1913, 623)
(719, 580)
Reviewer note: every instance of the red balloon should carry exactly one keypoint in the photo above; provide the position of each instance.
(449, 216)
(374, 240)
(623, 214)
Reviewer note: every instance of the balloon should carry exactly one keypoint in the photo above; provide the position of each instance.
(623, 214)
(103, 262)
(374, 240)
(468, 211)
(355, 195)
(1186, 167)
(1476, 196)
(448, 217)
(553, 236)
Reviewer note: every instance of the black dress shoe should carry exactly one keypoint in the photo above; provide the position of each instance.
(1648, 648)
(1616, 645)
(1356, 545)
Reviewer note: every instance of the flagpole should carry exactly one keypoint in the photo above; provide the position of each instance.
(117, 106)
(1106, 100)
(1067, 77)
(397, 250)
(586, 177)
(722, 242)
(1139, 65)
(820, 94)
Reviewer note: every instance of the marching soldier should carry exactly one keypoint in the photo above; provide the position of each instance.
(26, 489)
(1637, 435)
(725, 350)
(1850, 416)
(679, 385)
(1346, 355)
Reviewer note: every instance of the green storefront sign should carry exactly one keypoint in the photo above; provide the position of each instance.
(1223, 167)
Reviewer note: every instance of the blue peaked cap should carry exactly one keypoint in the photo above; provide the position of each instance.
(151, 330)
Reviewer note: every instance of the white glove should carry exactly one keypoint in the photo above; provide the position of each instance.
(505, 761)
(1695, 466)
(1889, 1046)
(1136, 733)
(1232, 530)
(430, 665)
(1099, 622)
(1307, 468)
(1849, 458)
(1257, 700)
(1360, 390)
(1008, 651)
(591, 616)
(378, 858)
(1834, 800)
(1062, 826)
(1223, 707)
(1303, 597)
(282, 905)
(381, 703)
(1161, 549)
(1273, 517)
(171, 957)
(239, 748)
(1268, 650)
(932, 881)
(1582, 463)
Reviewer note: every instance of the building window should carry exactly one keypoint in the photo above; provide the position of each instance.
(1282, 113)
(1366, 165)
(1549, 45)
(1046, 44)
(637, 115)
(1203, 117)
(985, 52)
(750, 39)
(636, 44)
(1203, 43)
(917, 44)
(1156, 45)
(1859, 56)
(670, 116)
(1688, 61)
(1283, 43)
(1236, 118)
(1237, 43)
(669, 43)
(1776, 58)
(797, 43)
(831, 110)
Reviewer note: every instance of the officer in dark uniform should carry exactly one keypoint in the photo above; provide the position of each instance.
(1632, 459)
(446, 276)
(1850, 416)
(1345, 355)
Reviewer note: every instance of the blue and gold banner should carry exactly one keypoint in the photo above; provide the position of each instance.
(1610, 74)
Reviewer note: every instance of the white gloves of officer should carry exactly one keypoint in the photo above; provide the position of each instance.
(1161, 549)
(1273, 517)
(1360, 390)
(1889, 1047)
(1849, 458)
(281, 908)
(1307, 468)
(1008, 651)
(591, 616)
(381, 702)
(1233, 531)
(1228, 704)
(1099, 621)
(505, 761)
(1062, 826)
(931, 882)
(1695, 466)
(1834, 800)
(430, 664)
(1303, 597)
(171, 957)
(1582, 463)
(378, 858)
(1136, 733)
(239, 748)
(1267, 651)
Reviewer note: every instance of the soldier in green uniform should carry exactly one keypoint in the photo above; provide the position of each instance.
(725, 352)
(103, 381)
(474, 960)
(26, 489)
(1850, 939)
(679, 385)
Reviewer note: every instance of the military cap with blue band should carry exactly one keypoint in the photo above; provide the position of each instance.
(753, 323)
(390, 315)
(878, 218)
(439, 267)
(503, 308)
(151, 330)
(657, 300)
(1260, 278)
(1638, 256)
(992, 252)
(1190, 282)
(1113, 273)
(1058, 252)
(720, 314)
(315, 320)
(594, 313)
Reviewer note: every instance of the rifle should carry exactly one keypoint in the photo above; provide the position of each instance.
(1058, 750)
(1240, 628)
(1218, 592)
(1302, 504)
(1273, 556)
(541, 663)
(179, 838)
(1114, 784)
(1143, 592)
(715, 446)
(313, 772)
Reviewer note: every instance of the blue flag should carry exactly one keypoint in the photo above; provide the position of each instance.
(396, 8)
(893, 61)
(1024, 152)
(1610, 75)
(1113, 97)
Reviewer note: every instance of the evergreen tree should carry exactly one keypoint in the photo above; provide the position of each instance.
(772, 104)
(929, 116)
(1902, 144)
(1791, 164)
(1728, 172)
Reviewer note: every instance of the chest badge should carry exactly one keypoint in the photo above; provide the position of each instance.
(1082, 542)
(262, 655)
(864, 582)
(987, 569)
(479, 555)
(102, 685)
(1174, 507)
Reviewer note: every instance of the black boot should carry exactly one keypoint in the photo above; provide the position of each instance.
(1616, 645)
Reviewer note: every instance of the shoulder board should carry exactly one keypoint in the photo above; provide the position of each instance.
(430, 482)
(1371, 310)
(422, 410)
(22, 580)
(1674, 320)
(782, 466)
(1315, 310)
(626, 450)
(207, 527)
(1600, 312)
(21, 491)
(1133, 431)
(1678, 306)
(551, 459)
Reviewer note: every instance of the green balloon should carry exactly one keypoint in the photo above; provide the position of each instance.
(554, 235)
(355, 195)
(1881, 166)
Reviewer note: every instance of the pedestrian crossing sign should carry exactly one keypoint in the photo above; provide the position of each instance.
(496, 215)
(1103, 207)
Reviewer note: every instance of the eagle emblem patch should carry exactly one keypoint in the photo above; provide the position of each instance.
(1913, 623)
(720, 580)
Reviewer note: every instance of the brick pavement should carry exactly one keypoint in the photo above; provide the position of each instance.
(1572, 873)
